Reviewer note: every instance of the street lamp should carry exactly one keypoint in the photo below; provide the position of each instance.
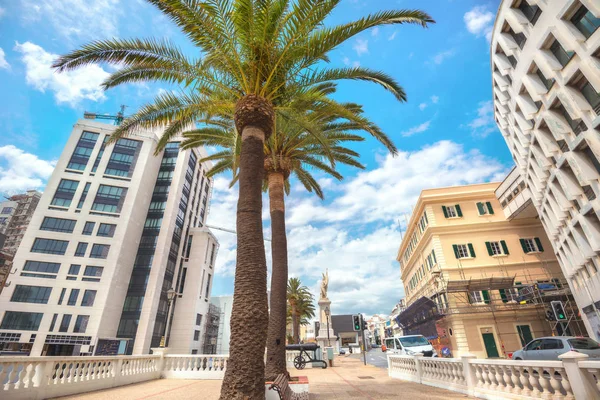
(171, 294)
(326, 311)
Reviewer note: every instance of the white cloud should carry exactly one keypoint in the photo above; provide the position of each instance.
(422, 106)
(75, 19)
(2, 12)
(361, 46)
(435, 99)
(20, 171)
(375, 31)
(417, 129)
(441, 56)
(346, 60)
(484, 124)
(393, 35)
(68, 87)
(480, 22)
(3, 63)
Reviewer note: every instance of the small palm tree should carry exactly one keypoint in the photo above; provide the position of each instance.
(301, 304)
(255, 58)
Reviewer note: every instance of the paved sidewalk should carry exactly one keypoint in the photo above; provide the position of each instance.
(349, 379)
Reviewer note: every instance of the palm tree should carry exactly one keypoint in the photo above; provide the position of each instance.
(289, 151)
(300, 301)
(249, 51)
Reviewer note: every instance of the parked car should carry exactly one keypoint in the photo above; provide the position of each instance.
(409, 345)
(549, 348)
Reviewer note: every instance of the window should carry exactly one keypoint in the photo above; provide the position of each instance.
(64, 324)
(591, 95)
(485, 208)
(99, 251)
(53, 323)
(40, 266)
(548, 83)
(463, 250)
(94, 272)
(73, 297)
(497, 248)
(196, 336)
(479, 296)
(123, 158)
(81, 248)
(64, 193)
(552, 344)
(74, 269)
(58, 225)
(207, 286)
(531, 12)
(583, 343)
(452, 211)
(533, 245)
(83, 150)
(109, 199)
(88, 298)
(560, 53)
(49, 246)
(31, 294)
(25, 321)
(88, 228)
(81, 323)
(62, 296)
(535, 345)
(585, 22)
(106, 230)
(7, 210)
(86, 189)
(198, 319)
(212, 254)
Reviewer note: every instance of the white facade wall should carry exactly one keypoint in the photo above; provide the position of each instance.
(111, 290)
(556, 149)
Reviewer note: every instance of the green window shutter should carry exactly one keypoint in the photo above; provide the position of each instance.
(503, 296)
(538, 242)
(471, 250)
(486, 296)
(458, 211)
(480, 208)
(455, 247)
(433, 254)
(445, 211)
(488, 246)
(504, 247)
(557, 283)
(489, 207)
(523, 245)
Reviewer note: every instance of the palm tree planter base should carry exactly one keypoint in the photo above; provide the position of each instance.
(299, 384)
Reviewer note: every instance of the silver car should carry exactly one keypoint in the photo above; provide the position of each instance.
(549, 348)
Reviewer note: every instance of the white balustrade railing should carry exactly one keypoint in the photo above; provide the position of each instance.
(35, 378)
(573, 377)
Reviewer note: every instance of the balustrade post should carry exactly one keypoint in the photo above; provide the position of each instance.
(581, 386)
(468, 372)
(389, 365)
(419, 367)
(162, 352)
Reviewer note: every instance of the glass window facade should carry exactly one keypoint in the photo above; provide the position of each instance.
(73, 297)
(100, 153)
(89, 296)
(24, 321)
(81, 248)
(64, 193)
(58, 225)
(31, 294)
(49, 246)
(41, 266)
(74, 269)
(86, 189)
(106, 230)
(123, 158)
(88, 228)
(64, 323)
(93, 271)
(585, 22)
(99, 251)
(83, 150)
(560, 53)
(109, 199)
(81, 323)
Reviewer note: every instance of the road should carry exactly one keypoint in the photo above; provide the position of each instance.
(375, 357)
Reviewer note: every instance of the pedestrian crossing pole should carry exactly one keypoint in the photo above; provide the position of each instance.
(364, 342)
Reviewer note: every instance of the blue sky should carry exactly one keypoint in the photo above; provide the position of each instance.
(445, 132)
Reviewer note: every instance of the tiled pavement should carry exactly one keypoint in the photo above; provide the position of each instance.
(349, 379)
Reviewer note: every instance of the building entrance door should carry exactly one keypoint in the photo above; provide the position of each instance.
(524, 334)
(490, 345)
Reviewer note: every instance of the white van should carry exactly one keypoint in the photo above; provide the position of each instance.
(409, 345)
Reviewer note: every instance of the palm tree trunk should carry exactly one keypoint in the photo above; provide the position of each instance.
(296, 322)
(244, 376)
(277, 317)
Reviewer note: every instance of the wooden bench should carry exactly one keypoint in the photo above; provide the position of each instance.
(282, 386)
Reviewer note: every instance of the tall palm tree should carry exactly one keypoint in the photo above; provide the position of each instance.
(289, 151)
(300, 301)
(249, 51)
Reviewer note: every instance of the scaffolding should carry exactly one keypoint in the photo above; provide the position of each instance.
(211, 329)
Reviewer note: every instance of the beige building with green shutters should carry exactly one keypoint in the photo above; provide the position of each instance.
(476, 282)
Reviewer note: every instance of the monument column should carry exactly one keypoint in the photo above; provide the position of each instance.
(325, 337)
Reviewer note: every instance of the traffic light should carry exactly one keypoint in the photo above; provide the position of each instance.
(558, 310)
(356, 322)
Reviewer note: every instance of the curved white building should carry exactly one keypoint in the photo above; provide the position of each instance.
(545, 58)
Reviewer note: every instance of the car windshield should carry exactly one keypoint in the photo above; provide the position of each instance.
(414, 341)
(584, 344)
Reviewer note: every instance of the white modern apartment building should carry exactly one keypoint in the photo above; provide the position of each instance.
(115, 229)
(545, 59)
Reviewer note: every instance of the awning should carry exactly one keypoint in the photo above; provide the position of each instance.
(423, 309)
(474, 285)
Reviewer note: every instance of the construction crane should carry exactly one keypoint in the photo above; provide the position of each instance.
(117, 118)
(229, 231)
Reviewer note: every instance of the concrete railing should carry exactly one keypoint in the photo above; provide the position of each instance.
(35, 378)
(573, 377)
